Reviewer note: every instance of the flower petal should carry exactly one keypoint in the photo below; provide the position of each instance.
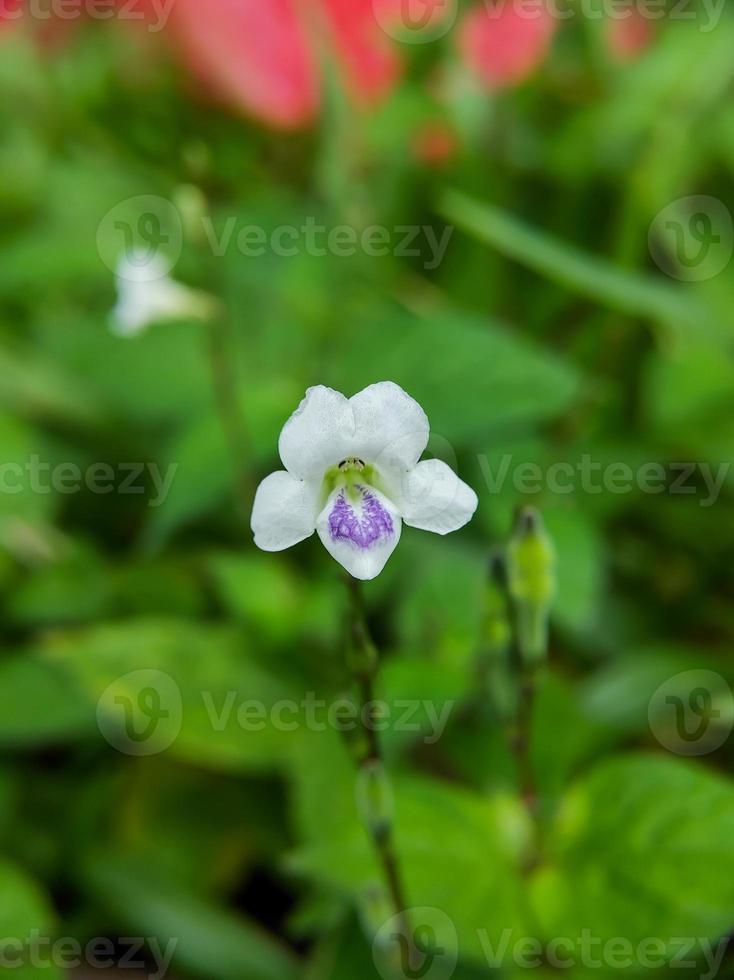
(284, 511)
(433, 498)
(360, 533)
(319, 434)
(254, 53)
(370, 61)
(391, 429)
(504, 45)
(381, 425)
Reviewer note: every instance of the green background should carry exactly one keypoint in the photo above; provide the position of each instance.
(546, 333)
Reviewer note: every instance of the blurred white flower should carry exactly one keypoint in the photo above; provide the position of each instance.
(352, 474)
(147, 294)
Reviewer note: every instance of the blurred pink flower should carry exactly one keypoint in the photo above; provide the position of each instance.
(503, 43)
(9, 10)
(629, 36)
(265, 56)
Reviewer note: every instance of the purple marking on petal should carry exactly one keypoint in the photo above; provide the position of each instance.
(362, 530)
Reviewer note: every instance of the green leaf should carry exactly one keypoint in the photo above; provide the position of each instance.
(40, 704)
(562, 737)
(473, 376)
(274, 599)
(19, 504)
(209, 942)
(24, 908)
(204, 476)
(204, 675)
(629, 292)
(618, 694)
(580, 566)
(32, 387)
(643, 846)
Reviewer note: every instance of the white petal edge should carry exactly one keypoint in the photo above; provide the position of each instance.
(390, 427)
(361, 563)
(284, 511)
(319, 434)
(433, 498)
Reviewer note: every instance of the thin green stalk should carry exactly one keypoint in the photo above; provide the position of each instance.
(521, 740)
(225, 389)
(364, 666)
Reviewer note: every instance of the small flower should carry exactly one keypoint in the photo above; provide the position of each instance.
(268, 57)
(505, 44)
(147, 294)
(630, 37)
(352, 474)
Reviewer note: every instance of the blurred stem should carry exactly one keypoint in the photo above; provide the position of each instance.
(224, 384)
(521, 740)
(364, 666)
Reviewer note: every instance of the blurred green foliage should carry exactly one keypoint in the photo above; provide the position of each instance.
(547, 333)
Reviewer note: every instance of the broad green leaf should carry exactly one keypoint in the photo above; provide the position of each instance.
(580, 567)
(642, 847)
(204, 478)
(274, 599)
(24, 908)
(472, 376)
(207, 941)
(40, 704)
(618, 694)
(216, 700)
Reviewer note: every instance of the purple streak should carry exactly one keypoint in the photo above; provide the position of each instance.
(360, 529)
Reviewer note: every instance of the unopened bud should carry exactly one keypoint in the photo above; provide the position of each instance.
(531, 583)
(375, 800)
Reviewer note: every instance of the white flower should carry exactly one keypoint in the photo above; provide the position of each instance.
(147, 294)
(352, 474)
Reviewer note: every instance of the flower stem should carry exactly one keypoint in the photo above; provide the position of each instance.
(521, 740)
(364, 663)
(224, 385)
